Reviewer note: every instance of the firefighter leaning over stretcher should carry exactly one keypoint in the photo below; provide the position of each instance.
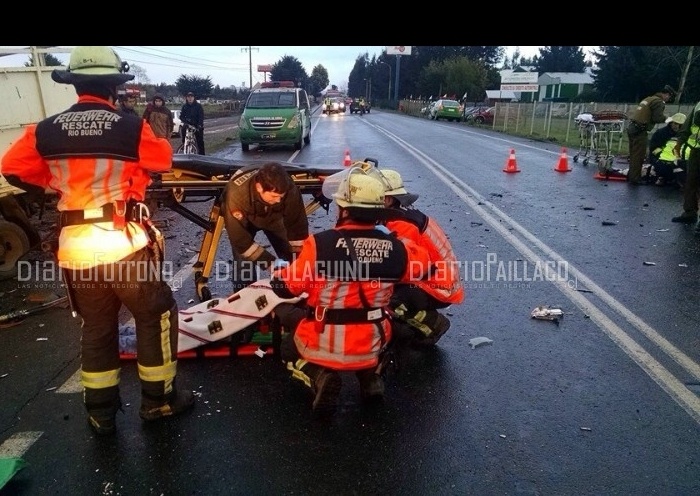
(262, 199)
(98, 161)
(349, 273)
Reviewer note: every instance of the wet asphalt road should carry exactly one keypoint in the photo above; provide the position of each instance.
(603, 403)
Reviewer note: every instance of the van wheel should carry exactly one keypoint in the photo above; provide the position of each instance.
(245, 147)
(14, 243)
(307, 140)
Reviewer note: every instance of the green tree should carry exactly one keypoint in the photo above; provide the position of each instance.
(289, 68)
(359, 76)
(49, 60)
(202, 87)
(561, 59)
(318, 81)
(631, 73)
(454, 77)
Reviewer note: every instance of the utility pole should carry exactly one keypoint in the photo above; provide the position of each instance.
(250, 62)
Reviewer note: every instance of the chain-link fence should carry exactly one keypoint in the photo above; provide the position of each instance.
(557, 122)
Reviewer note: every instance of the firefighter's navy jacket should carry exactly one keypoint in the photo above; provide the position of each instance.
(92, 156)
(338, 285)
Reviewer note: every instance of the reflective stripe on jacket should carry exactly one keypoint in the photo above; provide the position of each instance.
(667, 152)
(91, 155)
(442, 282)
(326, 272)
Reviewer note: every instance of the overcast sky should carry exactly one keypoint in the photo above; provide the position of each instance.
(230, 65)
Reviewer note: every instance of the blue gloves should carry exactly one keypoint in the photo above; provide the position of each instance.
(382, 228)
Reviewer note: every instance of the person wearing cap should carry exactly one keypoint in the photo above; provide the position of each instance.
(662, 146)
(649, 112)
(99, 162)
(159, 117)
(689, 136)
(348, 273)
(417, 304)
(192, 113)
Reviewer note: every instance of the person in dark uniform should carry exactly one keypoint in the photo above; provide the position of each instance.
(689, 136)
(649, 112)
(262, 199)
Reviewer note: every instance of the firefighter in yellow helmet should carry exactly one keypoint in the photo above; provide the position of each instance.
(98, 161)
(417, 304)
(349, 273)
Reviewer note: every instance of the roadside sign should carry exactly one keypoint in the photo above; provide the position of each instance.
(520, 87)
(398, 50)
(508, 77)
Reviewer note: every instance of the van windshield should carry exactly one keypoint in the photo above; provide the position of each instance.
(271, 99)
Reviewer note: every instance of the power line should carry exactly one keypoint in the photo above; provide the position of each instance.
(173, 57)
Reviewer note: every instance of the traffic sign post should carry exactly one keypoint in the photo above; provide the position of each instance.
(398, 51)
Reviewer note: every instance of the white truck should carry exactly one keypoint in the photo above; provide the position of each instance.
(28, 95)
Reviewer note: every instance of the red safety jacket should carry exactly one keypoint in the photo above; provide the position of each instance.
(92, 156)
(346, 328)
(443, 279)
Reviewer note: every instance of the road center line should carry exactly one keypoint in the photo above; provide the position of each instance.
(688, 400)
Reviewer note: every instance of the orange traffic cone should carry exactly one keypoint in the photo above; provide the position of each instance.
(563, 165)
(511, 164)
(347, 161)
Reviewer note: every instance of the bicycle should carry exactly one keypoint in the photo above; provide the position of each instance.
(189, 146)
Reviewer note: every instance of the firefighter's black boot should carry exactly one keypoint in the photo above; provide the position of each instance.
(430, 325)
(324, 383)
(435, 323)
(371, 385)
(178, 401)
(102, 412)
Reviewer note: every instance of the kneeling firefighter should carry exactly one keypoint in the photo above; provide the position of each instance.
(349, 273)
(417, 304)
(98, 160)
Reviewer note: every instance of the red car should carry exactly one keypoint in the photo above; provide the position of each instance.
(481, 116)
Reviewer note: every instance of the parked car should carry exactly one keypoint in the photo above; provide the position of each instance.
(177, 122)
(483, 115)
(470, 110)
(450, 110)
(426, 110)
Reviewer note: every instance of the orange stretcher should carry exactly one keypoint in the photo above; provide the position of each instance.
(198, 178)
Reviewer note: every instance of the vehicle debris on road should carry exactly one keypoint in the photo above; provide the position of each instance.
(480, 341)
(546, 313)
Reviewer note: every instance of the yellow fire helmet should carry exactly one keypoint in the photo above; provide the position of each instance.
(358, 189)
(94, 64)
